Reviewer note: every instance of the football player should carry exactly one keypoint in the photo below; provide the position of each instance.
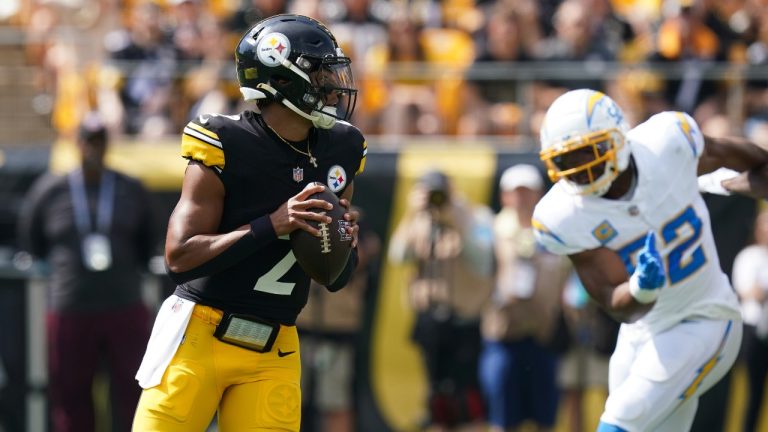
(225, 340)
(626, 209)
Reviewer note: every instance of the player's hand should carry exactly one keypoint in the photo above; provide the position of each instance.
(351, 216)
(649, 274)
(295, 212)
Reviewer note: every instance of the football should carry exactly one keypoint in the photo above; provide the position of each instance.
(323, 258)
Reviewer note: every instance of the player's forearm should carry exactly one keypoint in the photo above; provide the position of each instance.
(618, 302)
(201, 255)
(735, 153)
(196, 250)
(753, 183)
(623, 306)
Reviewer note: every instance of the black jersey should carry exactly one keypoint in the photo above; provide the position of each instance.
(260, 172)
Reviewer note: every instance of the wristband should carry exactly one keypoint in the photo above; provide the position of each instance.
(642, 295)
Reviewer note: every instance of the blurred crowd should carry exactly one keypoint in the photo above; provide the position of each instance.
(427, 67)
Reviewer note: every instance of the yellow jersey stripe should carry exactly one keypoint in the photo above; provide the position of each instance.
(202, 130)
(362, 166)
(201, 137)
(202, 151)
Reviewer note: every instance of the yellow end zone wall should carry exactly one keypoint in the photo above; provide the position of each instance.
(159, 165)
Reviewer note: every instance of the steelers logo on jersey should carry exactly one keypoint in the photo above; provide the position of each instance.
(337, 178)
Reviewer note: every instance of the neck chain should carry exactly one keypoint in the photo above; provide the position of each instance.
(308, 153)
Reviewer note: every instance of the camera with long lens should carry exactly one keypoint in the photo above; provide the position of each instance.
(437, 198)
(436, 184)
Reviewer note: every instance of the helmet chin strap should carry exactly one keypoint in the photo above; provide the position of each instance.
(323, 118)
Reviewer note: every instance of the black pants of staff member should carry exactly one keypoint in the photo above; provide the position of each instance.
(755, 351)
(450, 348)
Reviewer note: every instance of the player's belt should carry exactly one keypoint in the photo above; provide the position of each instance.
(245, 331)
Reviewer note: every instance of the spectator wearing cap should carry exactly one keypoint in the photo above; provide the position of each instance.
(522, 329)
(94, 228)
(448, 243)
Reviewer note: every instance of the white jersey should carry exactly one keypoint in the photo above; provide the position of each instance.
(666, 199)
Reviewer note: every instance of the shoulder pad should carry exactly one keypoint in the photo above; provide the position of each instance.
(350, 134)
(674, 129)
(548, 226)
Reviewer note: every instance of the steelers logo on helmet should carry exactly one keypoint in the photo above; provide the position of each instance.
(337, 178)
(273, 48)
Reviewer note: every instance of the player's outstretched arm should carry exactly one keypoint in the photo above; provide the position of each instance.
(741, 155)
(753, 183)
(605, 278)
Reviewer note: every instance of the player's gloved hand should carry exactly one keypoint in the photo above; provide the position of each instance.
(649, 274)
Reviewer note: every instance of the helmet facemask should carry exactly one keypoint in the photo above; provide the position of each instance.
(587, 164)
(330, 94)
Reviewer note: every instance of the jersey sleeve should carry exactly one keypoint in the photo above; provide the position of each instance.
(691, 132)
(355, 145)
(550, 240)
(201, 143)
(551, 230)
(681, 132)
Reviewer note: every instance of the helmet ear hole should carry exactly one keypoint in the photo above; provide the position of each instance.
(280, 80)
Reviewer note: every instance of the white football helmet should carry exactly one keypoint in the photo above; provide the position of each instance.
(583, 141)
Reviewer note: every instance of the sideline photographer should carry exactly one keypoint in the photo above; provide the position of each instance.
(450, 245)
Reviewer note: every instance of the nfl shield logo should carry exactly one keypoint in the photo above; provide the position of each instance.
(298, 174)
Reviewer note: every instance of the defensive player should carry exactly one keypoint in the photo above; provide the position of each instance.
(627, 211)
(226, 339)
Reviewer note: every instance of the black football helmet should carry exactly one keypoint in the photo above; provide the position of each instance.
(296, 61)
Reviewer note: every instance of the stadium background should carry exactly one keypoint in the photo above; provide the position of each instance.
(48, 80)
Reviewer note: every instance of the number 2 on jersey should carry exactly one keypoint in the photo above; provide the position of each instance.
(269, 282)
(680, 264)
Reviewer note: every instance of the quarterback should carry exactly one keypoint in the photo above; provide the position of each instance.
(226, 340)
(626, 209)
